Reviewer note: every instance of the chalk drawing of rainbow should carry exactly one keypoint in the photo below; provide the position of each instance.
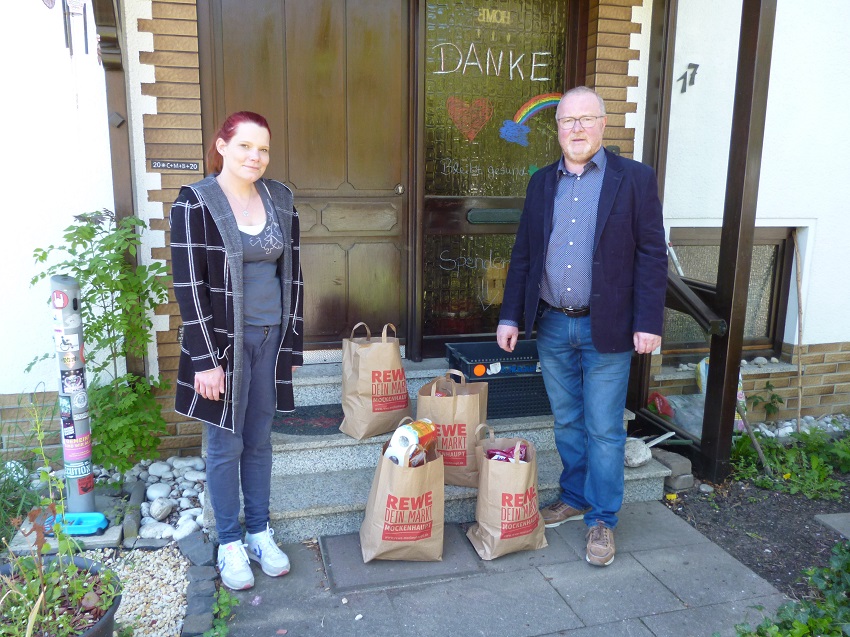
(516, 131)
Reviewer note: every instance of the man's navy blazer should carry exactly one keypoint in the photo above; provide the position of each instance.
(629, 270)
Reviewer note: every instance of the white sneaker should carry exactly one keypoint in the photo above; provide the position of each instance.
(234, 566)
(262, 549)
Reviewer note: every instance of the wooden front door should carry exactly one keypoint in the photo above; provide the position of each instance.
(331, 77)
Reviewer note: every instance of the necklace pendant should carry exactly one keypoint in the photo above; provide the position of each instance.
(245, 213)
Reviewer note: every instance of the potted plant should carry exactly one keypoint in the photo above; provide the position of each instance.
(60, 595)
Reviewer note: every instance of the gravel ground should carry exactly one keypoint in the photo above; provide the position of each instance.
(154, 583)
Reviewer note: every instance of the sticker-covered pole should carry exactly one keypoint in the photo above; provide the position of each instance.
(73, 398)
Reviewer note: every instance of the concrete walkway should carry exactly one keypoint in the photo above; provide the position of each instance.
(668, 580)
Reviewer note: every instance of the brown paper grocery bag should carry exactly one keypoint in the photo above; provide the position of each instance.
(507, 511)
(374, 387)
(456, 413)
(405, 512)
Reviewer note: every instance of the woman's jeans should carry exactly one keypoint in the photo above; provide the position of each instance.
(247, 452)
(587, 391)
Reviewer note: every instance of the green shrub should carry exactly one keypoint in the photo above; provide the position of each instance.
(827, 614)
(118, 298)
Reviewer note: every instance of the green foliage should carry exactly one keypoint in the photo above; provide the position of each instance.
(51, 596)
(128, 421)
(118, 298)
(771, 403)
(16, 498)
(223, 607)
(804, 465)
(827, 614)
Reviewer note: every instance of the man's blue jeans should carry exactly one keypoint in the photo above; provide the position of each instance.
(247, 452)
(587, 391)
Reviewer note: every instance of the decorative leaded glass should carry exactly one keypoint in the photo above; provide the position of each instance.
(494, 73)
(464, 282)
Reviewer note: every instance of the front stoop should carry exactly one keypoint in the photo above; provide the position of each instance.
(320, 484)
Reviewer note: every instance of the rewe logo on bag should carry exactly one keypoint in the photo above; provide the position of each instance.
(408, 519)
(389, 390)
(451, 444)
(519, 513)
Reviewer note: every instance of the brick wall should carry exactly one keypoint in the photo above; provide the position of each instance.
(825, 381)
(608, 54)
(173, 132)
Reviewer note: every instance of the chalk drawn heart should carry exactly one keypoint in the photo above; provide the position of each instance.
(469, 118)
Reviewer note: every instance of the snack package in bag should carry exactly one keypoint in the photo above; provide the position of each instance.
(507, 514)
(374, 387)
(406, 509)
(455, 408)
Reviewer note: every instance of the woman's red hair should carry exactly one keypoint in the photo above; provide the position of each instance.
(227, 131)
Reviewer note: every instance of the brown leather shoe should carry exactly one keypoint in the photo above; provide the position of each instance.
(600, 545)
(559, 512)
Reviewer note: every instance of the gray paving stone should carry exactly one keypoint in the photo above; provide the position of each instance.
(199, 605)
(558, 552)
(678, 464)
(346, 571)
(519, 604)
(703, 574)
(626, 628)
(642, 526)
(198, 573)
(718, 619)
(197, 548)
(679, 483)
(194, 625)
(201, 588)
(839, 522)
(623, 590)
(302, 604)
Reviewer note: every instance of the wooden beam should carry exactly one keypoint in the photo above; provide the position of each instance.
(739, 214)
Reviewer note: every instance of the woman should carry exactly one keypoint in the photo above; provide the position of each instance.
(237, 279)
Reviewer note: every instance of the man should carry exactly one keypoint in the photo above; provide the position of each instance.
(590, 266)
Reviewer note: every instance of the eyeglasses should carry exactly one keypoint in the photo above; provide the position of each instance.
(586, 121)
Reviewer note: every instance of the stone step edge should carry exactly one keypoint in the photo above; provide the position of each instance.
(651, 471)
(500, 426)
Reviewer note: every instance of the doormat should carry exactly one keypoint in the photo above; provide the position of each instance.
(314, 420)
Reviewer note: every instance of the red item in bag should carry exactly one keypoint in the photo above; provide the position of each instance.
(507, 455)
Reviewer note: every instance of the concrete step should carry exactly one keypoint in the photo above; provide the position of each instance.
(321, 383)
(333, 502)
(302, 455)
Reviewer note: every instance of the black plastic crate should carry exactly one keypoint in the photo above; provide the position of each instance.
(510, 393)
(466, 357)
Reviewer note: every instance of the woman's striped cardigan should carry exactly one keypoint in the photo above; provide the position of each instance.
(206, 263)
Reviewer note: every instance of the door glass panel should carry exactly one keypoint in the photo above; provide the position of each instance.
(494, 72)
(492, 79)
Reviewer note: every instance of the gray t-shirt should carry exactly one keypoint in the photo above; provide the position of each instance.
(260, 253)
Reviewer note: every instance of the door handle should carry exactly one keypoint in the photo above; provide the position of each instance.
(399, 189)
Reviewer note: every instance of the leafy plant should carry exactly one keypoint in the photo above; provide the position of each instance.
(827, 614)
(223, 607)
(51, 596)
(801, 466)
(771, 403)
(15, 495)
(117, 299)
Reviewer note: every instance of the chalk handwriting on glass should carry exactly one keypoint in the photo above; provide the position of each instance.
(494, 16)
(457, 263)
(453, 60)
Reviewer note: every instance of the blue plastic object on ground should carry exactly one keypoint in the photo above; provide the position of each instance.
(80, 524)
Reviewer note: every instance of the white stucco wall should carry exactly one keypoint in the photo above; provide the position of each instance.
(802, 184)
(799, 186)
(56, 164)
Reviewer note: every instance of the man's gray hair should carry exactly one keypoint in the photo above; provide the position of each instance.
(584, 89)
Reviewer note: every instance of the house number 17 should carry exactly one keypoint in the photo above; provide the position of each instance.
(684, 78)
